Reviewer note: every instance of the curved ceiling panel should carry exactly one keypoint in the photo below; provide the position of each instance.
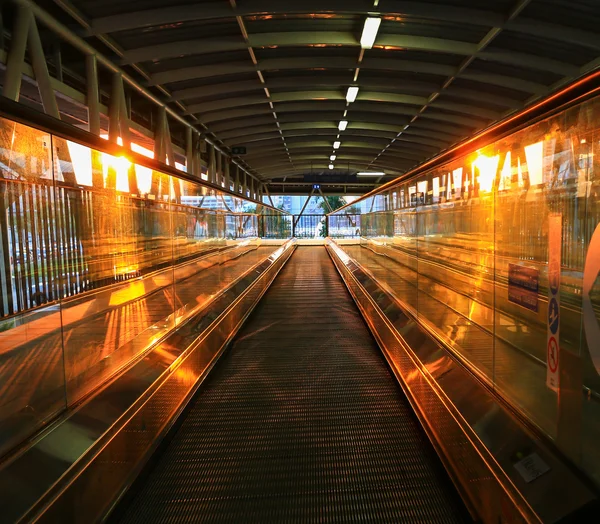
(274, 75)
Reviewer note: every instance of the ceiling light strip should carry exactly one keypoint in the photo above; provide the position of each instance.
(244, 31)
(352, 94)
(369, 34)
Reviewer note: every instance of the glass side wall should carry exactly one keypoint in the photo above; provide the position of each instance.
(467, 249)
(100, 258)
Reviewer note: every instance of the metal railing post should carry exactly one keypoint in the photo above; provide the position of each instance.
(16, 54)
(40, 69)
(93, 98)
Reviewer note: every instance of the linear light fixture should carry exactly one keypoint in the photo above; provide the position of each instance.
(369, 33)
(332, 158)
(337, 144)
(370, 173)
(330, 166)
(351, 95)
(343, 125)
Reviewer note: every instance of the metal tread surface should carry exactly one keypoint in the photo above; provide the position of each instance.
(300, 421)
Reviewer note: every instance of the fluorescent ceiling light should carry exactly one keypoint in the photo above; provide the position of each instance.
(337, 144)
(370, 173)
(332, 158)
(351, 95)
(330, 166)
(343, 125)
(369, 32)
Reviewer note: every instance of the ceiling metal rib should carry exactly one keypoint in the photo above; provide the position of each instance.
(273, 74)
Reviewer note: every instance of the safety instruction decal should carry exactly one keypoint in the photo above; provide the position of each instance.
(553, 337)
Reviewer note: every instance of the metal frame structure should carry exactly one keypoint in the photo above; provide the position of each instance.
(273, 74)
(26, 35)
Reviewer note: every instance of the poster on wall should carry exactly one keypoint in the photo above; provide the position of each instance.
(523, 285)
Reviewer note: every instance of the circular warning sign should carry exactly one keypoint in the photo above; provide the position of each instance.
(552, 354)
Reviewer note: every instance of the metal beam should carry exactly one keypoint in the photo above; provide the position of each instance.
(325, 200)
(304, 207)
(471, 122)
(311, 82)
(189, 150)
(325, 152)
(93, 94)
(355, 128)
(135, 19)
(305, 169)
(572, 35)
(342, 163)
(353, 160)
(40, 68)
(357, 119)
(345, 38)
(309, 134)
(16, 55)
(364, 96)
(77, 42)
(160, 150)
(290, 63)
(201, 46)
(236, 183)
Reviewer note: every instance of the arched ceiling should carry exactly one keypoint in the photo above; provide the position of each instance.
(273, 74)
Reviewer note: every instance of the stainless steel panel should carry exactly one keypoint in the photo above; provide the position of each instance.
(99, 445)
(481, 442)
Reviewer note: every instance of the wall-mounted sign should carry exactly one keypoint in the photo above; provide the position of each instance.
(523, 285)
(553, 338)
(238, 150)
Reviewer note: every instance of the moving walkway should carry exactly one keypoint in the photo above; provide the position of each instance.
(301, 420)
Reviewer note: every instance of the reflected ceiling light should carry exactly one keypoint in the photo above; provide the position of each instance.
(351, 95)
(330, 166)
(370, 173)
(343, 125)
(369, 32)
(332, 158)
(337, 144)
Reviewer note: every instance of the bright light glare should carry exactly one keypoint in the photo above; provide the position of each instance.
(506, 174)
(121, 166)
(534, 154)
(330, 166)
(343, 125)
(369, 33)
(142, 150)
(81, 156)
(337, 144)
(370, 173)
(436, 188)
(488, 167)
(457, 180)
(352, 93)
(332, 158)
